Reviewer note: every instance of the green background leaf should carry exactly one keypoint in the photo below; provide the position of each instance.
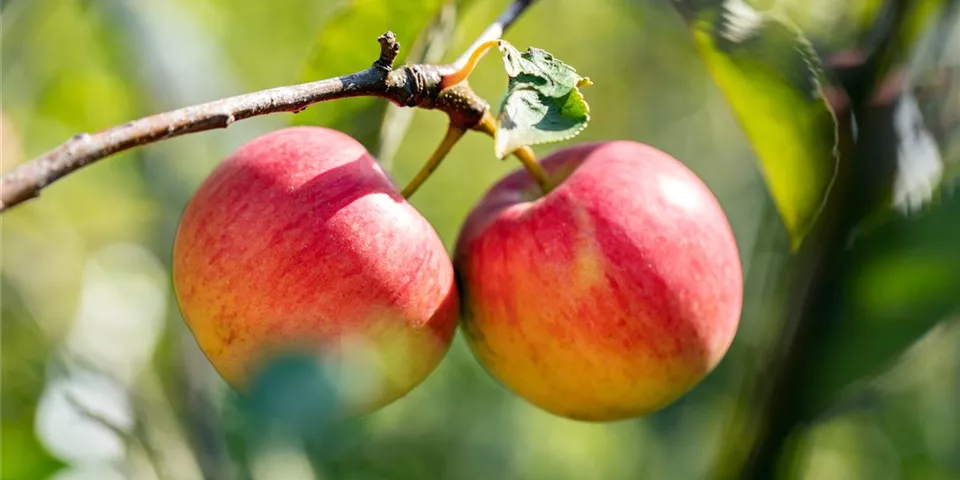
(772, 81)
(542, 103)
(898, 282)
(347, 43)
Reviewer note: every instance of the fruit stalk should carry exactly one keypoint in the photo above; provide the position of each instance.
(525, 154)
(454, 133)
(529, 161)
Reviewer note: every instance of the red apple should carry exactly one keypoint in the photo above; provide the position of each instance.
(611, 296)
(300, 243)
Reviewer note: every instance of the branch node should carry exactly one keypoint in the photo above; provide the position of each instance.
(389, 49)
(465, 108)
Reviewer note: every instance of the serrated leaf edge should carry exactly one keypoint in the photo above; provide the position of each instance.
(810, 57)
(500, 145)
(750, 27)
(500, 141)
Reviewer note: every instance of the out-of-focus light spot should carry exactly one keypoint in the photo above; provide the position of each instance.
(919, 165)
(358, 370)
(11, 148)
(828, 463)
(90, 472)
(79, 418)
(122, 310)
(287, 463)
(847, 447)
(582, 449)
(742, 20)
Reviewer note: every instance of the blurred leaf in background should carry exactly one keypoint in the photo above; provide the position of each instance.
(774, 82)
(897, 284)
(346, 43)
(899, 276)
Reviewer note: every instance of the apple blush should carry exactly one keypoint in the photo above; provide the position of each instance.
(299, 244)
(611, 296)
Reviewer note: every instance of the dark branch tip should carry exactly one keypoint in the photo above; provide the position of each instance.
(389, 49)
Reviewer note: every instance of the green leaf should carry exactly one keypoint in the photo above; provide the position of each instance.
(773, 81)
(898, 282)
(543, 102)
(348, 43)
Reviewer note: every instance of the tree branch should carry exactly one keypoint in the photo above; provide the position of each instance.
(28, 179)
(410, 86)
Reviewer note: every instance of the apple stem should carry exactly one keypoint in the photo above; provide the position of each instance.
(454, 133)
(471, 63)
(525, 154)
(529, 160)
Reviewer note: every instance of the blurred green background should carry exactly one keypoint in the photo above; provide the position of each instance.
(101, 379)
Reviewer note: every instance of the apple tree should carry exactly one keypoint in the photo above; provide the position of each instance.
(596, 267)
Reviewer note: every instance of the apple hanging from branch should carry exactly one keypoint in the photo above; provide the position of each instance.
(299, 243)
(599, 285)
(610, 296)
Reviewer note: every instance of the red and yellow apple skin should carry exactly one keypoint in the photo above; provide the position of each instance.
(608, 298)
(299, 243)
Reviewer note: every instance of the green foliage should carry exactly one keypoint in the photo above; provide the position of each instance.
(347, 43)
(543, 102)
(22, 456)
(773, 81)
(898, 282)
(888, 280)
(899, 274)
(69, 66)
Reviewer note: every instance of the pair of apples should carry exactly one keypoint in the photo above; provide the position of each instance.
(608, 298)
